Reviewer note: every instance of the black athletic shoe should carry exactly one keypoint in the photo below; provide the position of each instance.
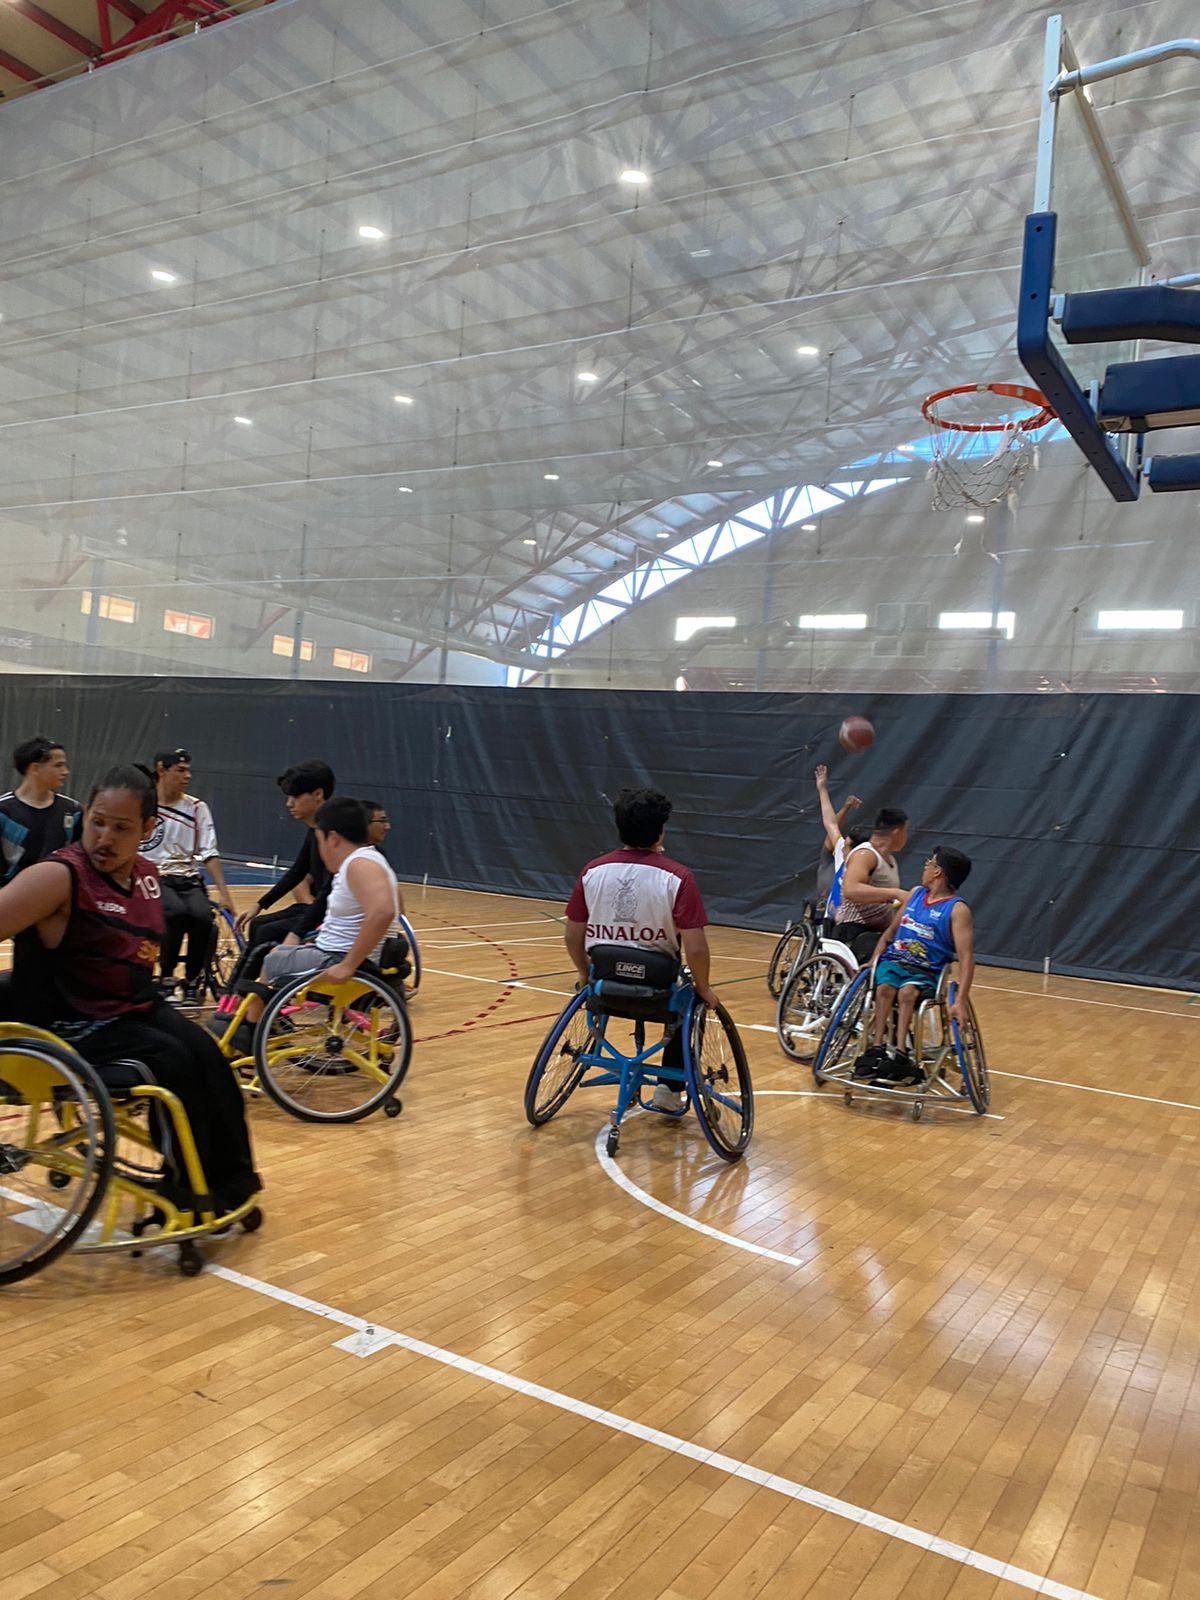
(191, 994)
(898, 1073)
(871, 1063)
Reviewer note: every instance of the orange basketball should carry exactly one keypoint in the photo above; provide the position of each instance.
(856, 733)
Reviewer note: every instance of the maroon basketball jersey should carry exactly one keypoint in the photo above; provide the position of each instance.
(104, 967)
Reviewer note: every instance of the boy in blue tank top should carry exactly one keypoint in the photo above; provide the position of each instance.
(932, 928)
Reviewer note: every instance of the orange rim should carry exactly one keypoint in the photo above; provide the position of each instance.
(1038, 418)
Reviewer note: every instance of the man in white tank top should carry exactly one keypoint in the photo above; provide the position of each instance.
(871, 883)
(362, 906)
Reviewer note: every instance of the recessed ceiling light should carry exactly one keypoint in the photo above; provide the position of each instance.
(161, 275)
(976, 517)
(550, 477)
(807, 350)
(403, 489)
(244, 421)
(528, 541)
(698, 255)
(809, 527)
(634, 175)
(715, 463)
(588, 377)
(369, 231)
(662, 534)
(403, 399)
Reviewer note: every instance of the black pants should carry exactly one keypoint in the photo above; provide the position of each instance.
(185, 1059)
(263, 934)
(187, 912)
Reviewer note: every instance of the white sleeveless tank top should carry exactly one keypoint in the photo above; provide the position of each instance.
(884, 876)
(343, 914)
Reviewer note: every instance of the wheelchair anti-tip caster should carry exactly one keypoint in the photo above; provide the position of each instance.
(848, 1098)
(613, 1140)
(916, 1111)
(392, 1108)
(191, 1261)
(58, 1180)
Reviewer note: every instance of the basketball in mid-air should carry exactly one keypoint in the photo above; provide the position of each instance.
(856, 733)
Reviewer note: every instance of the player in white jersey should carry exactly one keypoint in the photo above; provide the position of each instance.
(363, 905)
(183, 846)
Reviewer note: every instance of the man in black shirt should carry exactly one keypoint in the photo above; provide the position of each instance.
(36, 819)
(305, 788)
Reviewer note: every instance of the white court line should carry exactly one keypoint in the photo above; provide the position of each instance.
(1089, 1088)
(512, 922)
(367, 1337)
(1079, 1000)
(613, 1171)
(460, 944)
(506, 983)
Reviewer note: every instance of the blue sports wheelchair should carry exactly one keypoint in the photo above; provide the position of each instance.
(699, 1055)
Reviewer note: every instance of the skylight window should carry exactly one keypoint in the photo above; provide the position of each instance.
(966, 621)
(687, 627)
(833, 621)
(1139, 621)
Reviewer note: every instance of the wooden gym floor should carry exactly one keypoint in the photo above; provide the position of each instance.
(468, 1360)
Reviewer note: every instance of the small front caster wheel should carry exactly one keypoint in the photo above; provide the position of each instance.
(613, 1141)
(191, 1261)
(392, 1108)
(252, 1221)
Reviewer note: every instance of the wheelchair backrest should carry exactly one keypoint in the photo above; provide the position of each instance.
(628, 982)
(393, 957)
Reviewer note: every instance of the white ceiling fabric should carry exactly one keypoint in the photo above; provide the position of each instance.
(851, 176)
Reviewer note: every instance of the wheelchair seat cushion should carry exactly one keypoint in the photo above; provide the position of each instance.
(628, 982)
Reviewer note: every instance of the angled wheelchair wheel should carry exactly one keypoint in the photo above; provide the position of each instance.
(972, 1062)
(414, 954)
(718, 1079)
(56, 1153)
(840, 1045)
(806, 1003)
(333, 1054)
(227, 946)
(797, 943)
(558, 1065)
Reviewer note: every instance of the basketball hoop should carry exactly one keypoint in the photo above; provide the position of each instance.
(979, 462)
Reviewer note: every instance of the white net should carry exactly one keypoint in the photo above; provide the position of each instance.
(980, 469)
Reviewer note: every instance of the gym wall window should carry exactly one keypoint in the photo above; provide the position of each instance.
(196, 627)
(111, 607)
(687, 627)
(352, 660)
(284, 645)
(1139, 621)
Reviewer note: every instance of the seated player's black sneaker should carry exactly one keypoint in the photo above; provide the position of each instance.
(872, 1062)
(898, 1073)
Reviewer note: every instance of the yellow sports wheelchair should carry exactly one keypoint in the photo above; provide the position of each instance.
(948, 1057)
(328, 1052)
(79, 1168)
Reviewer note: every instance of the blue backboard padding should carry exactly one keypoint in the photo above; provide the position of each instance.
(1152, 311)
(1045, 365)
(1174, 474)
(1167, 390)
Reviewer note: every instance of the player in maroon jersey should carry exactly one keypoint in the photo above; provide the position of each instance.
(88, 923)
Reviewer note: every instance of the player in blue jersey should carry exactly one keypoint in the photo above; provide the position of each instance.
(932, 928)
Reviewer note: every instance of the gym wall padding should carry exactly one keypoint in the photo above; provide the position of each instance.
(1080, 812)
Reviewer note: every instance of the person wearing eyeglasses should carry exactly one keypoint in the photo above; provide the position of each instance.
(930, 930)
(183, 846)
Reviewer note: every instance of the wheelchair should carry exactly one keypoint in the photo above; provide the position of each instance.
(329, 1052)
(950, 1057)
(810, 992)
(797, 942)
(79, 1169)
(413, 981)
(228, 944)
(646, 986)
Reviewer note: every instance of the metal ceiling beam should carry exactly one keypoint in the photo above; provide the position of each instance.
(19, 69)
(87, 48)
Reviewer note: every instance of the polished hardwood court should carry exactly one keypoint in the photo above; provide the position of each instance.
(466, 1359)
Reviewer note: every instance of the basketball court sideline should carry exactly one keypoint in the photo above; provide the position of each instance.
(942, 1359)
